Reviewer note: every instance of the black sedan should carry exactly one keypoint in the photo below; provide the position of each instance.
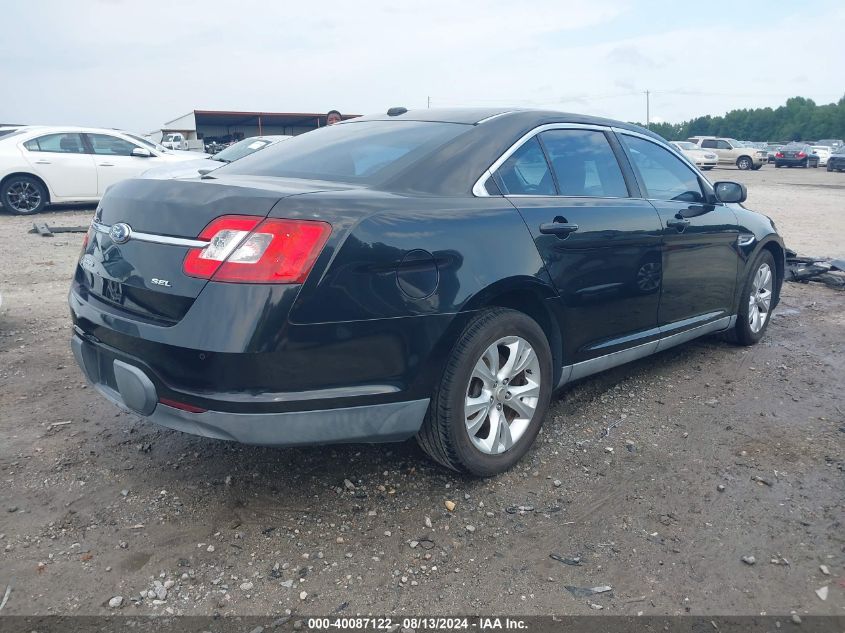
(437, 274)
(796, 155)
(836, 162)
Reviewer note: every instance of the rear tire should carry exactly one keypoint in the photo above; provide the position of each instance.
(744, 163)
(757, 294)
(457, 440)
(23, 195)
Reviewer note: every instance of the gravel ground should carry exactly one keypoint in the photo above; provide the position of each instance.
(661, 479)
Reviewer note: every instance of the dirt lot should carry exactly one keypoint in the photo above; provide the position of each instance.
(95, 503)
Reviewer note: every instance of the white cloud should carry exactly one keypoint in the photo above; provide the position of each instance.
(123, 64)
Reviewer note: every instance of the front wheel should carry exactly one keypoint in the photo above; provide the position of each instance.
(743, 163)
(492, 397)
(23, 195)
(756, 300)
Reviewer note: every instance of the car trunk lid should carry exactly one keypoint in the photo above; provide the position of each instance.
(143, 275)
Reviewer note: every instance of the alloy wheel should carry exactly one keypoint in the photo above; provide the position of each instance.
(760, 299)
(502, 395)
(23, 196)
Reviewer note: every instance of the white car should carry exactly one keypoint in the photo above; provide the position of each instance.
(699, 157)
(823, 152)
(202, 166)
(42, 165)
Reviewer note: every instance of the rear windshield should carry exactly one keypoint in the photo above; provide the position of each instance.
(366, 152)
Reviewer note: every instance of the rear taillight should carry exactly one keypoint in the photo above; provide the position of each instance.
(249, 249)
(800, 155)
(779, 155)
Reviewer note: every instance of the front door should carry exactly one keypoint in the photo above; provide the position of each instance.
(600, 246)
(700, 256)
(114, 160)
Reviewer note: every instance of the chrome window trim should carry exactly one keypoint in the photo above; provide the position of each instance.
(153, 238)
(478, 189)
(493, 116)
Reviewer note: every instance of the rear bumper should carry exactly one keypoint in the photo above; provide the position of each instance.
(127, 384)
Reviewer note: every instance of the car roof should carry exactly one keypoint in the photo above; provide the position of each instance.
(480, 116)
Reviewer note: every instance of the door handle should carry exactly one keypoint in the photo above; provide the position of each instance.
(561, 229)
(106, 164)
(42, 162)
(677, 223)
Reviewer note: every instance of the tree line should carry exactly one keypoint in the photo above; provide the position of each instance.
(799, 120)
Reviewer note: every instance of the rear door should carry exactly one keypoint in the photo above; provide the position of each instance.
(600, 245)
(700, 257)
(114, 160)
(61, 161)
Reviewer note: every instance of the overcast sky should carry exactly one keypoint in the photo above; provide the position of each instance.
(136, 64)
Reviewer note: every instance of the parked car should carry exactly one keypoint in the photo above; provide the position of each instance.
(836, 162)
(731, 152)
(701, 158)
(174, 141)
(201, 166)
(8, 129)
(796, 155)
(823, 152)
(834, 143)
(50, 165)
(436, 274)
(771, 150)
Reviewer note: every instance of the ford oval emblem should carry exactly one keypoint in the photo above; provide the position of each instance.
(120, 233)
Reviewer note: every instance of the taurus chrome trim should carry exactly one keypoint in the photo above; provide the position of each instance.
(614, 359)
(153, 238)
(745, 239)
(478, 189)
(493, 116)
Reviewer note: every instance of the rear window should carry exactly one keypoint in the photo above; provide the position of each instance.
(365, 152)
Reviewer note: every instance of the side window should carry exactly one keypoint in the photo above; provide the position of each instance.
(708, 143)
(526, 172)
(723, 145)
(584, 164)
(60, 143)
(665, 176)
(110, 145)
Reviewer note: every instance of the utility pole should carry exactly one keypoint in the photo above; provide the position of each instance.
(429, 103)
(647, 109)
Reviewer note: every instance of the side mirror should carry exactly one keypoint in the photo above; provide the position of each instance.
(141, 152)
(727, 191)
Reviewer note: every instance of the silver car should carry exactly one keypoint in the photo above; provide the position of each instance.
(701, 158)
(202, 166)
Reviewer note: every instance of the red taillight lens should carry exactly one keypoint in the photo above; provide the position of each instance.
(779, 155)
(249, 249)
(800, 155)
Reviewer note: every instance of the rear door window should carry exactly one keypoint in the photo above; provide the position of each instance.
(665, 176)
(526, 172)
(59, 143)
(584, 164)
(708, 143)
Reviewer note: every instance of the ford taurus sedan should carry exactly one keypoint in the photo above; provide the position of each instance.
(437, 274)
